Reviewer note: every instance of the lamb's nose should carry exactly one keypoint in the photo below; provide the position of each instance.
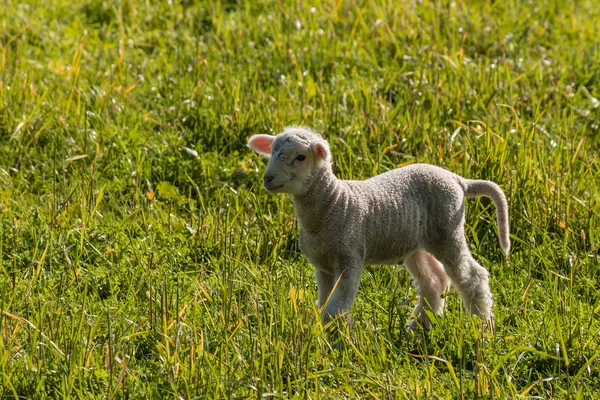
(268, 178)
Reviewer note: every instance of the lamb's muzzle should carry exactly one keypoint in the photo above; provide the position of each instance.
(412, 215)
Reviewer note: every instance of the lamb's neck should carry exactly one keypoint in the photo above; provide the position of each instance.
(312, 207)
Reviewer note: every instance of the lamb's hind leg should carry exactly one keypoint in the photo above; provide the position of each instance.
(470, 278)
(430, 281)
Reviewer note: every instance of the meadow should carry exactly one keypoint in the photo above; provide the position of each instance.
(141, 257)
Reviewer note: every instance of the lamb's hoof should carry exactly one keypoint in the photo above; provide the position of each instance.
(489, 324)
(416, 354)
(415, 325)
(335, 339)
(338, 344)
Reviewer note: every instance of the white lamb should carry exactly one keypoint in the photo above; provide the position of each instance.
(412, 215)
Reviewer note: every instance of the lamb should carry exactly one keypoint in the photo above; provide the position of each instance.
(412, 215)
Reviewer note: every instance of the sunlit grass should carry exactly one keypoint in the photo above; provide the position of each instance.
(141, 257)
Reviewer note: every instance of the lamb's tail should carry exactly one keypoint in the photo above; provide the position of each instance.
(478, 188)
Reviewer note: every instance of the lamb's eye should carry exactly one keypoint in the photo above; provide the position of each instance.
(301, 157)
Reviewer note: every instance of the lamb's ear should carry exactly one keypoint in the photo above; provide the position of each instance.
(261, 144)
(321, 151)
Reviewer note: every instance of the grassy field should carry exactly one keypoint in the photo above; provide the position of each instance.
(140, 256)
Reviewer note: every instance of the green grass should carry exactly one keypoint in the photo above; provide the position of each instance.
(131, 268)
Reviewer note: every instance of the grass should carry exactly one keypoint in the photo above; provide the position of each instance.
(132, 267)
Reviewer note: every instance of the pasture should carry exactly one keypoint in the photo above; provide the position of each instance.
(141, 257)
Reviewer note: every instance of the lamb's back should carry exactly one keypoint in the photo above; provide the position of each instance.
(404, 208)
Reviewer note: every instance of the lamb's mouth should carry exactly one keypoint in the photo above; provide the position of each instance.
(273, 189)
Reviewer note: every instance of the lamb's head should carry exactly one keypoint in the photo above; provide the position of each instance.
(296, 157)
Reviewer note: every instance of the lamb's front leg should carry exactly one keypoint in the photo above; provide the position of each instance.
(345, 287)
(325, 282)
